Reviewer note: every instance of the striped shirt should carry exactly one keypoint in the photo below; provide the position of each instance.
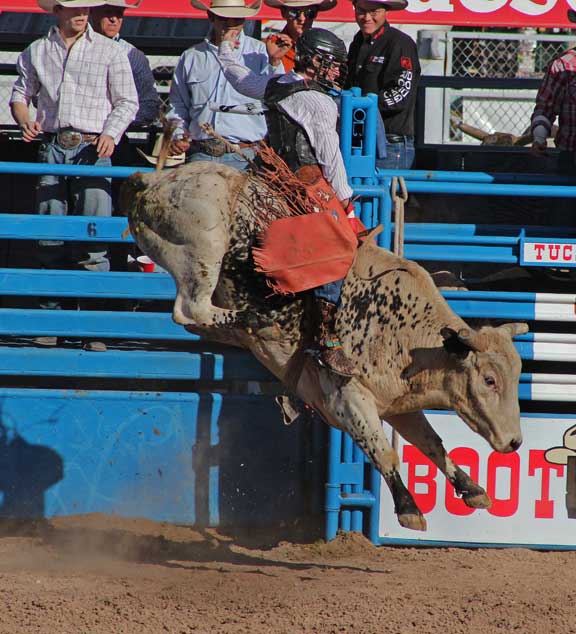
(199, 80)
(557, 98)
(317, 113)
(145, 84)
(89, 87)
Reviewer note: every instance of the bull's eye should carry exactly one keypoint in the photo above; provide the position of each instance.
(489, 381)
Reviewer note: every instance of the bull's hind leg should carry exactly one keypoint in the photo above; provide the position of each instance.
(416, 429)
(351, 408)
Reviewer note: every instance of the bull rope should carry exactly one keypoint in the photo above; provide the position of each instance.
(398, 202)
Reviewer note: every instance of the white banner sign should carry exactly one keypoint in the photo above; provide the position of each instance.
(527, 487)
(547, 253)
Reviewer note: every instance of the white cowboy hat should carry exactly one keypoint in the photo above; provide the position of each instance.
(48, 5)
(124, 4)
(171, 161)
(559, 455)
(229, 8)
(321, 5)
(392, 5)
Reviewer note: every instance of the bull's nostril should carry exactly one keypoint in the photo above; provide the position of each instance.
(515, 444)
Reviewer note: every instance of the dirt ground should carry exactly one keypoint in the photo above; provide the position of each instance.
(103, 575)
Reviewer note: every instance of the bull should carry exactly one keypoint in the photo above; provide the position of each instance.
(413, 352)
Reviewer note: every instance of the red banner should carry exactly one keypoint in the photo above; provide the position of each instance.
(492, 13)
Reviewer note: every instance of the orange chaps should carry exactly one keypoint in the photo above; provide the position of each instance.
(305, 251)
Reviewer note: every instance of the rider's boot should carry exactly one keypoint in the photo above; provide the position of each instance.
(331, 354)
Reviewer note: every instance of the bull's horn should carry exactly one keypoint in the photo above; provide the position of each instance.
(470, 130)
(514, 329)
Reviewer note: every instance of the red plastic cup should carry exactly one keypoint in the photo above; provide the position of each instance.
(145, 264)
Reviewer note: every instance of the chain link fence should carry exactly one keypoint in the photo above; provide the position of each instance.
(474, 115)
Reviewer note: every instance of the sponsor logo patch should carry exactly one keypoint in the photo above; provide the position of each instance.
(406, 63)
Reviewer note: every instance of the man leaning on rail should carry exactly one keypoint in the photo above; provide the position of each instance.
(84, 90)
(107, 19)
(384, 61)
(198, 81)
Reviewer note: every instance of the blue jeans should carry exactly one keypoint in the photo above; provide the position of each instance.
(399, 156)
(81, 196)
(232, 159)
(329, 292)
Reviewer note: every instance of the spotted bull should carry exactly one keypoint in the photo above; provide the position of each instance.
(413, 351)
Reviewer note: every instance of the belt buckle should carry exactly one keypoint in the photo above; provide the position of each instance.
(68, 139)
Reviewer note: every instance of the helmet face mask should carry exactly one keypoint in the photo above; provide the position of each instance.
(322, 55)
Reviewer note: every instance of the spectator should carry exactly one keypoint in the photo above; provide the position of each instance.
(86, 98)
(556, 98)
(107, 19)
(302, 119)
(383, 60)
(299, 16)
(199, 80)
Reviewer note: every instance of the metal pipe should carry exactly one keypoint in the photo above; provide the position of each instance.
(70, 170)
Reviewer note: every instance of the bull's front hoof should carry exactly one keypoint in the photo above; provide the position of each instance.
(480, 500)
(413, 521)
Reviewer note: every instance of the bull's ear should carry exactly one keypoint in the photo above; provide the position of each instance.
(456, 343)
(514, 329)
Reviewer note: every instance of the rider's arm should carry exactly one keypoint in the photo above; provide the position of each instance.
(242, 78)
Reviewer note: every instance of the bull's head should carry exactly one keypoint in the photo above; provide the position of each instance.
(484, 387)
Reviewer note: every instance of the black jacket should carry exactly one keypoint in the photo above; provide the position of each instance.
(387, 64)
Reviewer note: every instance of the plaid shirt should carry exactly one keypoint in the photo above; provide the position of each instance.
(89, 87)
(145, 84)
(557, 98)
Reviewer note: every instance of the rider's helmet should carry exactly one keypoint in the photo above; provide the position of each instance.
(323, 56)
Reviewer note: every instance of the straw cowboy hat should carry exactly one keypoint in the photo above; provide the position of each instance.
(229, 8)
(321, 5)
(48, 5)
(171, 161)
(560, 455)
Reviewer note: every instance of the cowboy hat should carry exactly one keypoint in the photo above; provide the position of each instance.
(123, 4)
(48, 5)
(559, 455)
(171, 161)
(391, 5)
(321, 5)
(229, 8)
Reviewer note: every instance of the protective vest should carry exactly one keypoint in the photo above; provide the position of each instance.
(286, 137)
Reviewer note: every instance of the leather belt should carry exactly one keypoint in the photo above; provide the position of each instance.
(398, 138)
(217, 147)
(69, 139)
